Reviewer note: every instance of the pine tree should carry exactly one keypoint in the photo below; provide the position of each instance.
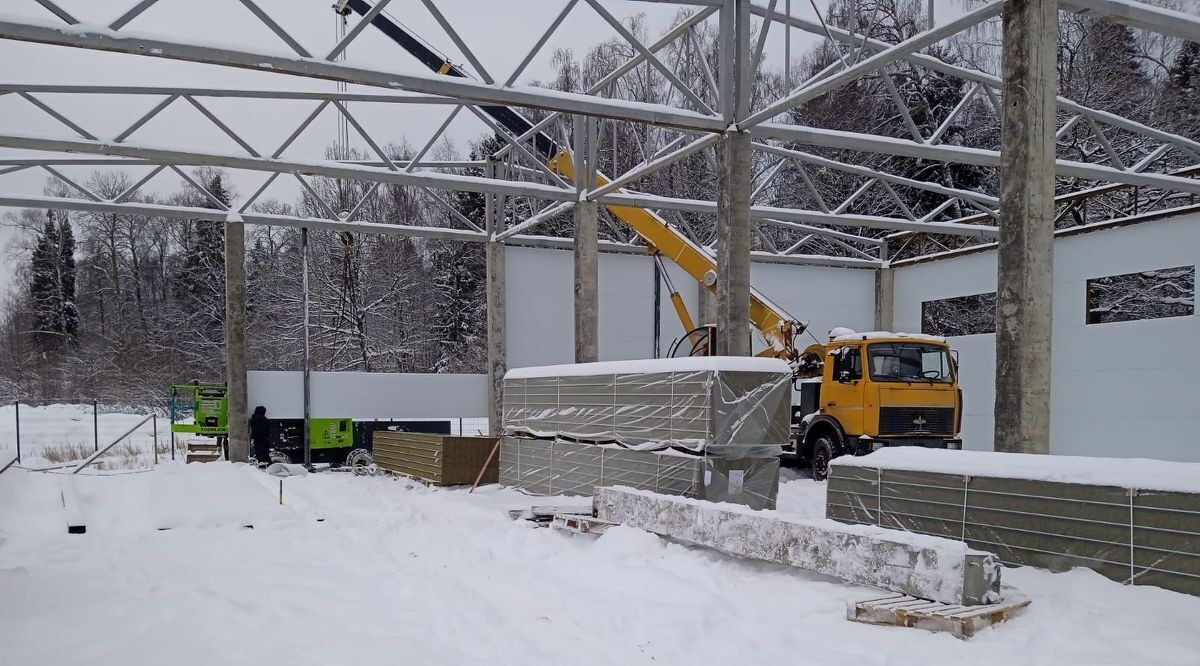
(52, 285)
(1182, 94)
(201, 280)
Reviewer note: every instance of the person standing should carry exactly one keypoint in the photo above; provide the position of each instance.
(260, 435)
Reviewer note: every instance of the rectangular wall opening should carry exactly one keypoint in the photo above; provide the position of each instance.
(1166, 292)
(960, 315)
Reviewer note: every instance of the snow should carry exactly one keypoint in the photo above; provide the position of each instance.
(1140, 473)
(400, 573)
(686, 364)
(62, 425)
(882, 335)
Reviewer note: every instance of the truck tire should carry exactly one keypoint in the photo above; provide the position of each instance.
(822, 453)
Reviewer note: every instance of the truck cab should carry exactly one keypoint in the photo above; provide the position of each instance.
(871, 390)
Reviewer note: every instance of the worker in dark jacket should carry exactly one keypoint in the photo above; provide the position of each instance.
(260, 435)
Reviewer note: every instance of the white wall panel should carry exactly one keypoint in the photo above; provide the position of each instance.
(1127, 389)
(369, 395)
(540, 287)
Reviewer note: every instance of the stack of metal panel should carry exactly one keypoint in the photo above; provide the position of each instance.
(711, 428)
(556, 467)
(723, 406)
(1134, 521)
(438, 459)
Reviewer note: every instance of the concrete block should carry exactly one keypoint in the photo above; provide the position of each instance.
(922, 566)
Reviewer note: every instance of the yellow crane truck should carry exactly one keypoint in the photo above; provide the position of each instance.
(874, 389)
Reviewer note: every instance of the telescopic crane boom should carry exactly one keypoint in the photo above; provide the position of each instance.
(776, 325)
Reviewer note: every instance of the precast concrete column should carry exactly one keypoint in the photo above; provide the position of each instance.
(235, 338)
(586, 263)
(1026, 249)
(497, 360)
(885, 293)
(497, 313)
(733, 244)
(587, 283)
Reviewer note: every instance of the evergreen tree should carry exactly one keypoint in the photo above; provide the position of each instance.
(52, 284)
(1182, 95)
(200, 285)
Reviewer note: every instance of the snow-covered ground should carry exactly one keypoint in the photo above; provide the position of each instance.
(70, 427)
(354, 570)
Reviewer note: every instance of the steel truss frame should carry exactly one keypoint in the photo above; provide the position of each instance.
(686, 125)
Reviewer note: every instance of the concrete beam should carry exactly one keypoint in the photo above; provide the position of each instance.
(733, 244)
(1025, 281)
(885, 296)
(235, 338)
(922, 566)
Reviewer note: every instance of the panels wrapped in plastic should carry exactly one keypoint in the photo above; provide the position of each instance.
(550, 467)
(1134, 521)
(731, 407)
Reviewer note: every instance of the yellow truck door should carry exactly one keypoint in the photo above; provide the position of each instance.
(841, 393)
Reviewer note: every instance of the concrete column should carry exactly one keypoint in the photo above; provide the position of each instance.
(1026, 251)
(497, 359)
(587, 266)
(885, 295)
(587, 283)
(733, 244)
(235, 338)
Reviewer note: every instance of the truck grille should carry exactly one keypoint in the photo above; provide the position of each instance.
(916, 420)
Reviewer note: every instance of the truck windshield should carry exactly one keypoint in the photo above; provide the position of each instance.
(909, 362)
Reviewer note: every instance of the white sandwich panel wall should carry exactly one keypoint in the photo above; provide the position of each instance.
(1124, 389)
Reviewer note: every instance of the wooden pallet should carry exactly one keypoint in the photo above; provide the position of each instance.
(902, 610)
(580, 524)
(544, 515)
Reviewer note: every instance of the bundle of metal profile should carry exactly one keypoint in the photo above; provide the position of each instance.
(557, 467)
(727, 407)
(1134, 521)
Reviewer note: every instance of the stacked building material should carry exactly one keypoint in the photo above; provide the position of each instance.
(729, 415)
(438, 459)
(1134, 521)
(550, 467)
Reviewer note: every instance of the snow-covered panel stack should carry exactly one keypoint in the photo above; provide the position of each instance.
(729, 407)
(922, 566)
(1132, 520)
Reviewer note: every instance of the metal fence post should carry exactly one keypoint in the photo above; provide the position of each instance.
(95, 427)
(154, 445)
(17, 415)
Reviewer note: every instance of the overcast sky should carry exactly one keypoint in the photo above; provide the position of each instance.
(499, 31)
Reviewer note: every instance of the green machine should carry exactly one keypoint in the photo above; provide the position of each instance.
(208, 404)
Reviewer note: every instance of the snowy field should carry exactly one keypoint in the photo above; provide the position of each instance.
(354, 570)
(50, 431)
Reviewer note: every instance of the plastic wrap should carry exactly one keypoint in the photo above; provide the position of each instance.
(1126, 531)
(726, 407)
(556, 467)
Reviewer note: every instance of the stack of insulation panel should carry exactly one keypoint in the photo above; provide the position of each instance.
(716, 425)
(1134, 521)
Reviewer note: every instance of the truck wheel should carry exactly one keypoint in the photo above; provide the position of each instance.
(821, 455)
